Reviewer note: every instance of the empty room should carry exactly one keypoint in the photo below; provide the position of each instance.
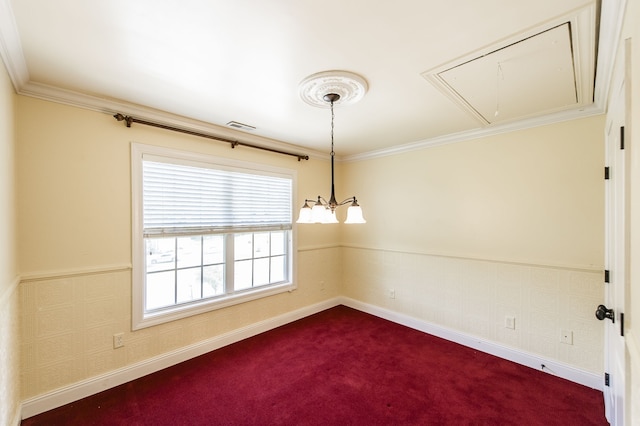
(339, 212)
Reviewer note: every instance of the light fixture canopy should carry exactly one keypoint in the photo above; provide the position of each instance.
(335, 85)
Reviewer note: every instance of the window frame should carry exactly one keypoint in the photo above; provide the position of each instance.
(142, 319)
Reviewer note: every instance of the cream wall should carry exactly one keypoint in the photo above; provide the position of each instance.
(75, 247)
(9, 337)
(532, 196)
(469, 233)
(525, 241)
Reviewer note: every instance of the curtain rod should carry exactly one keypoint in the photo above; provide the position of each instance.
(128, 120)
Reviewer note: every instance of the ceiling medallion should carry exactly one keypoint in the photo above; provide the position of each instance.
(349, 86)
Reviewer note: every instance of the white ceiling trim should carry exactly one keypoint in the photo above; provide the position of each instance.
(111, 107)
(11, 48)
(480, 133)
(612, 13)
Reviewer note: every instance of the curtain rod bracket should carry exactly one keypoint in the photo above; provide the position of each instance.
(128, 120)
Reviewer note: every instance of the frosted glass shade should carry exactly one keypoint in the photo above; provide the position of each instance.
(354, 214)
(305, 215)
(318, 213)
(330, 217)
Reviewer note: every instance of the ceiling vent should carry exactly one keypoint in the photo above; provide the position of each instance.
(548, 70)
(240, 126)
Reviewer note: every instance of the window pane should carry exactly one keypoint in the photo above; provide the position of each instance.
(213, 283)
(261, 271)
(277, 269)
(243, 275)
(198, 262)
(160, 254)
(261, 244)
(277, 243)
(160, 290)
(189, 251)
(213, 249)
(189, 285)
(243, 246)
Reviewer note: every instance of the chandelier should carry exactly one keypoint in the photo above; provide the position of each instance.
(319, 90)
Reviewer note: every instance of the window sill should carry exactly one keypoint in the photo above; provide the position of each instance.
(143, 320)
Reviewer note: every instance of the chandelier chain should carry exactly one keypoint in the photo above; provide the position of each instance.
(332, 117)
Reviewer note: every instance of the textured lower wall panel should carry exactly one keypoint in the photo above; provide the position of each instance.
(67, 325)
(9, 358)
(93, 385)
(475, 297)
(556, 368)
(68, 322)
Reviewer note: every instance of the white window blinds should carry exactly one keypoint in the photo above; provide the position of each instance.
(181, 199)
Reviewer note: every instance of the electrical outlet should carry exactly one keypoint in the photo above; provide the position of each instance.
(566, 336)
(510, 322)
(392, 293)
(322, 285)
(118, 340)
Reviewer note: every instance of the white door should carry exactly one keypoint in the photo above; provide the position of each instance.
(616, 257)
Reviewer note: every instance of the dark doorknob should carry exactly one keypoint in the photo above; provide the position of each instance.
(603, 312)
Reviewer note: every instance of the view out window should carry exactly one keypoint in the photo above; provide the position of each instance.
(207, 233)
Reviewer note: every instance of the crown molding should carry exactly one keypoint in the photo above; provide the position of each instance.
(611, 19)
(111, 106)
(11, 48)
(479, 133)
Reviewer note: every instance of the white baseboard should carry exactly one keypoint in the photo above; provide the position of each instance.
(76, 391)
(79, 390)
(518, 356)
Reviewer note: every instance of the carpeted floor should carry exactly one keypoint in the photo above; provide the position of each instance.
(339, 367)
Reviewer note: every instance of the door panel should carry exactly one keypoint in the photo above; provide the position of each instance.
(616, 258)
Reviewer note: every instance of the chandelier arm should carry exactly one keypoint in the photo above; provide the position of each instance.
(348, 200)
(322, 201)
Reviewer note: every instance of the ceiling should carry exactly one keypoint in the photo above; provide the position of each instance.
(435, 71)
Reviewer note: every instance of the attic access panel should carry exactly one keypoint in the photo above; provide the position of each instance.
(530, 77)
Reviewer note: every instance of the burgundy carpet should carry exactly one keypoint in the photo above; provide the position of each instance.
(339, 367)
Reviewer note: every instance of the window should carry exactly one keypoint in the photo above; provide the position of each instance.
(207, 233)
